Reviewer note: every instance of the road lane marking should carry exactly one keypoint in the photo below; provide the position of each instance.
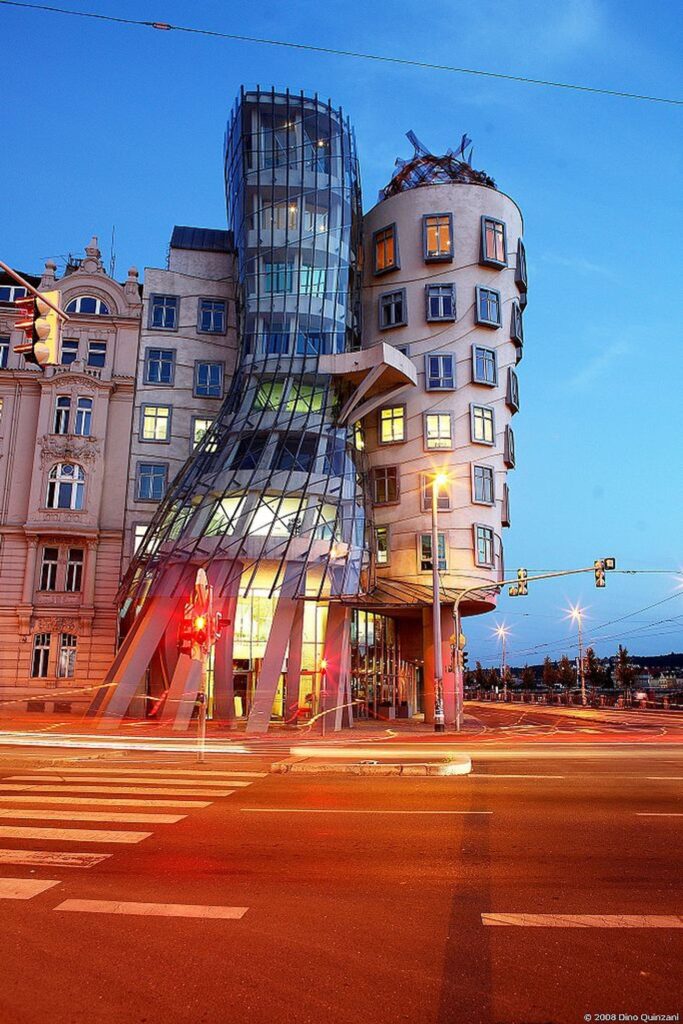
(67, 815)
(57, 787)
(324, 810)
(153, 909)
(120, 770)
(98, 801)
(496, 775)
(124, 780)
(665, 778)
(23, 888)
(54, 858)
(72, 835)
(585, 920)
(659, 814)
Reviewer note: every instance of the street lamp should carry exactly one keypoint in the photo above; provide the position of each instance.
(576, 614)
(439, 480)
(502, 632)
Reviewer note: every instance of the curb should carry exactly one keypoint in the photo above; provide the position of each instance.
(456, 766)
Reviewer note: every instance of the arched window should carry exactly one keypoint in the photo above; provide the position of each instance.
(65, 486)
(88, 304)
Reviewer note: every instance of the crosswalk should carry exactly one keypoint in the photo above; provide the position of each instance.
(53, 808)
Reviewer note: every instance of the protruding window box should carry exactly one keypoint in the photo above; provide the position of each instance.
(516, 325)
(509, 455)
(437, 237)
(506, 506)
(483, 485)
(512, 395)
(521, 279)
(487, 309)
(484, 366)
(493, 243)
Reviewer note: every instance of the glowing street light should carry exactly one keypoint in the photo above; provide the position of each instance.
(503, 632)
(576, 614)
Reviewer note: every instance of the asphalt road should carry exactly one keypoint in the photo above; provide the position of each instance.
(425, 900)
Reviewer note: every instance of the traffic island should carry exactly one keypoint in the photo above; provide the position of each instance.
(451, 766)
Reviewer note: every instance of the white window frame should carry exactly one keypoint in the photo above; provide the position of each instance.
(429, 445)
(56, 477)
(477, 440)
(83, 418)
(490, 471)
(62, 416)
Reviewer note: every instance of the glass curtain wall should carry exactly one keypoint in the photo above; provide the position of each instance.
(383, 684)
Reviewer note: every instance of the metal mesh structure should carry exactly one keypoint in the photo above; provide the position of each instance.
(424, 168)
(275, 483)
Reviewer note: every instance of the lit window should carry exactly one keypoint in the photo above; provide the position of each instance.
(66, 664)
(151, 481)
(74, 569)
(279, 277)
(484, 365)
(488, 307)
(382, 545)
(65, 486)
(482, 425)
(199, 429)
(516, 325)
(440, 299)
(269, 395)
(483, 545)
(437, 231)
(4, 352)
(208, 380)
(358, 436)
(385, 485)
(163, 312)
(438, 430)
(296, 453)
(139, 531)
(88, 304)
(83, 424)
(305, 398)
(392, 424)
(443, 494)
(62, 415)
(97, 353)
(425, 543)
(277, 517)
(315, 219)
(48, 569)
(69, 351)
(159, 365)
(493, 242)
(11, 292)
(41, 655)
(440, 372)
(156, 423)
(385, 248)
(482, 481)
(211, 316)
(392, 309)
(512, 398)
(509, 456)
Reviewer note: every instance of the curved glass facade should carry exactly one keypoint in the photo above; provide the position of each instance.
(275, 482)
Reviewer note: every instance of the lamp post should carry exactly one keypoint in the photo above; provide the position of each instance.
(576, 614)
(439, 480)
(502, 632)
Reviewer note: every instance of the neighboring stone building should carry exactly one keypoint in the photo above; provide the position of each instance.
(63, 464)
(187, 354)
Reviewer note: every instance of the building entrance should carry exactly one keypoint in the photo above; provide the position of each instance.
(384, 685)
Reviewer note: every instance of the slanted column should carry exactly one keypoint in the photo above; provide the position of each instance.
(30, 570)
(90, 574)
(337, 655)
(223, 669)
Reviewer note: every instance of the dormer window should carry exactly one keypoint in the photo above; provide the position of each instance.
(88, 305)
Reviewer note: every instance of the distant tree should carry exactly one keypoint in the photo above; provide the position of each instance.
(566, 676)
(479, 676)
(528, 678)
(625, 672)
(550, 677)
(595, 673)
(492, 678)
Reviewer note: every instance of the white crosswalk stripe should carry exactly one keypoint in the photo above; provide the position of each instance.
(52, 787)
(72, 835)
(127, 780)
(49, 858)
(153, 909)
(24, 888)
(126, 770)
(103, 802)
(67, 815)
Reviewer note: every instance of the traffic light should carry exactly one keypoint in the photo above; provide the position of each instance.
(599, 572)
(465, 659)
(522, 585)
(200, 630)
(42, 327)
(609, 564)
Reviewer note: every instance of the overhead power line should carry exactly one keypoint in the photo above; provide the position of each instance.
(335, 52)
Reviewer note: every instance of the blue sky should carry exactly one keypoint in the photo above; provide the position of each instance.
(106, 125)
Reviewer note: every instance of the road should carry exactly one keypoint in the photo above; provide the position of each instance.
(343, 899)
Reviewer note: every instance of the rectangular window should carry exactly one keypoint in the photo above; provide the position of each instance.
(159, 366)
(212, 319)
(512, 398)
(208, 380)
(443, 494)
(488, 307)
(249, 451)
(493, 242)
(483, 545)
(83, 424)
(139, 531)
(520, 270)
(425, 555)
(156, 423)
(516, 325)
(62, 415)
(310, 343)
(151, 482)
(505, 519)
(297, 453)
(382, 545)
(484, 365)
(48, 569)
(74, 569)
(440, 300)
(385, 485)
(438, 431)
(509, 456)
(41, 655)
(311, 280)
(97, 353)
(440, 372)
(279, 277)
(69, 351)
(66, 664)
(269, 395)
(437, 235)
(163, 312)
(392, 309)
(199, 428)
(385, 249)
(10, 292)
(4, 352)
(276, 338)
(482, 485)
(482, 424)
(305, 398)
(392, 424)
